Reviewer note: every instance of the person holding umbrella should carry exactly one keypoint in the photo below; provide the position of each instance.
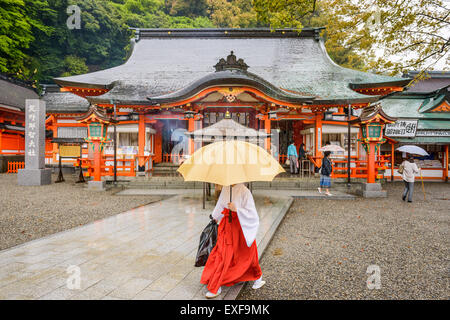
(231, 163)
(409, 170)
(234, 259)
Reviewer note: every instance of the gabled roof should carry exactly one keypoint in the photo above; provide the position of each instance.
(433, 81)
(164, 61)
(431, 103)
(416, 105)
(63, 102)
(13, 92)
(372, 112)
(95, 114)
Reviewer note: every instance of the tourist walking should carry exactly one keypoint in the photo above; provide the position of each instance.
(293, 158)
(410, 169)
(235, 257)
(325, 173)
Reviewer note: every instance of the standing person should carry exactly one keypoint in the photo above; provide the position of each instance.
(301, 155)
(235, 257)
(292, 156)
(325, 173)
(301, 152)
(409, 170)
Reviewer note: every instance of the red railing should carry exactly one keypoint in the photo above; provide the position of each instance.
(13, 166)
(125, 166)
(359, 168)
(174, 158)
(282, 158)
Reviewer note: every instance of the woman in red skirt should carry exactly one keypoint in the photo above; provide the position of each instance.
(235, 257)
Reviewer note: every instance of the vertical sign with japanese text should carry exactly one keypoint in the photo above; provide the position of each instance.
(34, 134)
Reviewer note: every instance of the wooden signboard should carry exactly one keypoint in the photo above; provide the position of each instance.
(66, 151)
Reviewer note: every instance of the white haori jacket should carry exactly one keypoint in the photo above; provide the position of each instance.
(246, 210)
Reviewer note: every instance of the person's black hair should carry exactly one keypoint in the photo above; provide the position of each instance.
(326, 153)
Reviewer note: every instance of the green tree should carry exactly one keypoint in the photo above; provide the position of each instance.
(391, 35)
(232, 13)
(187, 8)
(19, 23)
(74, 65)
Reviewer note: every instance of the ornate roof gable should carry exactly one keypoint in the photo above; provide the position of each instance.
(231, 63)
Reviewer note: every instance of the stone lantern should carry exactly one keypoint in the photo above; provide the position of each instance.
(97, 123)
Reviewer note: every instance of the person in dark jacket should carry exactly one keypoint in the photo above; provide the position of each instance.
(301, 152)
(301, 155)
(325, 173)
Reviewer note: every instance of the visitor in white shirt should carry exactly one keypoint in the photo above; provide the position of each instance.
(410, 169)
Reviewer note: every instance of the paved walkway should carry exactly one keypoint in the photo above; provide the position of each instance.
(144, 253)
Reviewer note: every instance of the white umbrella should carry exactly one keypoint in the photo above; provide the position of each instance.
(413, 150)
(332, 148)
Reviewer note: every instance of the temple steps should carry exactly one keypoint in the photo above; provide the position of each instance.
(177, 182)
(164, 176)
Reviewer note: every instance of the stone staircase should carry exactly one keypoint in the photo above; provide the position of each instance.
(164, 176)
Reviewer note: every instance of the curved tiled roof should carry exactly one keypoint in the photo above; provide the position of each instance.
(13, 93)
(168, 60)
(63, 102)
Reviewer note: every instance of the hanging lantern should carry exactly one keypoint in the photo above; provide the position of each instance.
(97, 122)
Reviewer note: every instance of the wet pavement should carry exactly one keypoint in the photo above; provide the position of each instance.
(144, 253)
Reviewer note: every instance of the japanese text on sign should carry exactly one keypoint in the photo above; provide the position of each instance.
(401, 128)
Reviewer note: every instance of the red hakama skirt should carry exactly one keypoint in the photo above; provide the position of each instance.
(231, 261)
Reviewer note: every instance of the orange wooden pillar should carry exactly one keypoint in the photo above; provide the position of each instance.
(445, 173)
(157, 147)
(54, 145)
(96, 145)
(318, 138)
(371, 174)
(392, 161)
(191, 128)
(268, 128)
(141, 142)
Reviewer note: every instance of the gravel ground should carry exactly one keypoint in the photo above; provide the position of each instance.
(323, 248)
(28, 213)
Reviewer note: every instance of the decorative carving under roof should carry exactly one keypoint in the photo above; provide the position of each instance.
(374, 113)
(94, 114)
(231, 63)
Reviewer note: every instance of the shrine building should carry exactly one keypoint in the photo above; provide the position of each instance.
(282, 83)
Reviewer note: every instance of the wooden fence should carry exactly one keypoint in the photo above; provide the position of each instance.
(13, 166)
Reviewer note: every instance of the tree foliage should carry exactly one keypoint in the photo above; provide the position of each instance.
(19, 24)
(390, 35)
(36, 44)
(232, 14)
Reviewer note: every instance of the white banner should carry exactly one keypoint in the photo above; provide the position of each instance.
(401, 128)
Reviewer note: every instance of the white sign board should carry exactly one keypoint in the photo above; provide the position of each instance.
(433, 133)
(401, 128)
